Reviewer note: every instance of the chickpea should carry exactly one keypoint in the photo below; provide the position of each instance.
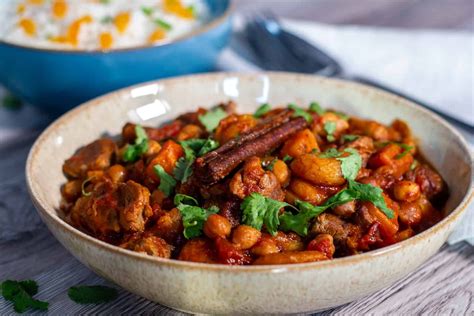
(245, 237)
(406, 191)
(117, 173)
(72, 190)
(217, 226)
(190, 131)
(303, 142)
(410, 214)
(267, 245)
(281, 171)
(153, 148)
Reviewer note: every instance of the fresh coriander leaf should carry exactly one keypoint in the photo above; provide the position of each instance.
(300, 112)
(185, 199)
(134, 152)
(350, 165)
(349, 137)
(167, 182)
(147, 11)
(192, 148)
(330, 128)
(94, 294)
(211, 118)
(20, 294)
(208, 146)
(163, 24)
(341, 115)
(299, 222)
(262, 109)
(370, 193)
(183, 169)
(194, 218)
(11, 102)
(269, 166)
(414, 164)
(287, 158)
(258, 210)
(330, 153)
(316, 108)
(406, 150)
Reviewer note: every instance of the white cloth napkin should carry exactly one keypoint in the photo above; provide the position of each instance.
(435, 66)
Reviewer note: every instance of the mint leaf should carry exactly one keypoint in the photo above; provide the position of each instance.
(167, 182)
(300, 112)
(211, 118)
(135, 151)
(193, 216)
(20, 293)
(258, 210)
(94, 294)
(330, 128)
(262, 109)
(316, 108)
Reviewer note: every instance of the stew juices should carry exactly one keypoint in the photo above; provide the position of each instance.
(278, 186)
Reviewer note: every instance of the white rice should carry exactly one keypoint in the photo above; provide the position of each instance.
(137, 33)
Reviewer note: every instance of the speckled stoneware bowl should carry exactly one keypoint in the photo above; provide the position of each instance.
(219, 289)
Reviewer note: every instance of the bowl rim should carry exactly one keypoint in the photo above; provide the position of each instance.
(212, 24)
(455, 214)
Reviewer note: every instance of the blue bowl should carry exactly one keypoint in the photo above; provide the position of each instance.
(58, 80)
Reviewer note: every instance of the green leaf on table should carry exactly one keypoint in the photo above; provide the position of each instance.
(94, 294)
(21, 293)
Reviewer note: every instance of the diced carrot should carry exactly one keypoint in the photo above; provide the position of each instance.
(59, 9)
(106, 40)
(36, 1)
(121, 21)
(29, 26)
(157, 35)
(167, 157)
(177, 8)
(75, 27)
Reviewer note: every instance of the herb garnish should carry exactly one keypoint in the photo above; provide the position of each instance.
(349, 137)
(287, 158)
(262, 109)
(330, 128)
(163, 24)
(107, 19)
(300, 112)
(316, 108)
(167, 182)
(193, 148)
(133, 152)
(21, 293)
(211, 118)
(193, 216)
(269, 165)
(406, 150)
(94, 294)
(147, 11)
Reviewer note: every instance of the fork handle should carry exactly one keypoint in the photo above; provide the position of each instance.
(468, 127)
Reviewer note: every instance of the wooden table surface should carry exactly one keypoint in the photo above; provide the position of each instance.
(443, 286)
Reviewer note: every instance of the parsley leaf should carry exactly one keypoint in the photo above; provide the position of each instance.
(349, 137)
(133, 152)
(316, 108)
(406, 150)
(192, 148)
(258, 210)
(211, 118)
(20, 293)
(330, 128)
(167, 182)
(300, 112)
(163, 24)
(193, 216)
(92, 294)
(262, 109)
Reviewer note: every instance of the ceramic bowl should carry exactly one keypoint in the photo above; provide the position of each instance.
(57, 80)
(220, 289)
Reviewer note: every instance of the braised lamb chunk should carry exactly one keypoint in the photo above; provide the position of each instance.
(157, 134)
(110, 209)
(265, 137)
(345, 234)
(95, 156)
(149, 244)
(252, 178)
(430, 181)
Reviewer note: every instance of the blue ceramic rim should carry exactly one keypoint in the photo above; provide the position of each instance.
(214, 23)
